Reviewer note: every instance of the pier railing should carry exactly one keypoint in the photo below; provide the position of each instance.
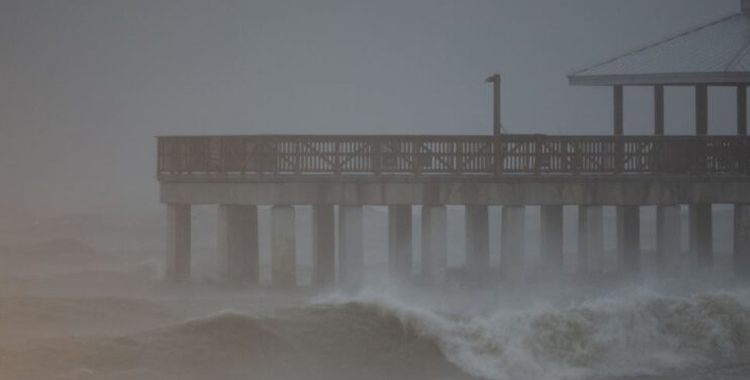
(247, 156)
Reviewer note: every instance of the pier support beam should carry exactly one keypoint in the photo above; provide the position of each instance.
(283, 247)
(178, 242)
(668, 249)
(434, 244)
(629, 238)
(590, 239)
(477, 240)
(351, 249)
(742, 241)
(399, 242)
(701, 236)
(324, 250)
(512, 243)
(552, 238)
(238, 244)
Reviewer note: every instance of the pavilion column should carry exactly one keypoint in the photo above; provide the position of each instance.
(742, 241)
(659, 110)
(351, 247)
(742, 211)
(590, 239)
(552, 238)
(324, 250)
(619, 126)
(668, 239)
(477, 239)
(238, 243)
(178, 242)
(629, 238)
(399, 242)
(618, 111)
(701, 110)
(434, 244)
(512, 243)
(742, 110)
(283, 247)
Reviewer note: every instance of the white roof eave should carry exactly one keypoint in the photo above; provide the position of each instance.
(674, 79)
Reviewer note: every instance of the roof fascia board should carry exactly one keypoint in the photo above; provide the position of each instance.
(675, 79)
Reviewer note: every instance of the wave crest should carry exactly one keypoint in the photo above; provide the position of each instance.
(610, 336)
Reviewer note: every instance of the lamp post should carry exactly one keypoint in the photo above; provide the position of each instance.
(497, 125)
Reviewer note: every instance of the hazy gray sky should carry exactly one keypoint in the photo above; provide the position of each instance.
(86, 85)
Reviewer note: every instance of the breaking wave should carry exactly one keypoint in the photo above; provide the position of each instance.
(608, 337)
(377, 337)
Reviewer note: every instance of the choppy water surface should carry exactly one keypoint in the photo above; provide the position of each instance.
(374, 336)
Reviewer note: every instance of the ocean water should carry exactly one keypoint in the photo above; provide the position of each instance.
(381, 335)
(100, 316)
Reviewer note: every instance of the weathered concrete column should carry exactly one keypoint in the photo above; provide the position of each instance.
(434, 244)
(742, 241)
(701, 110)
(283, 247)
(668, 240)
(659, 110)
(552, 238)
(617, 98)
(399, 242)
(351, 249)
(238, 243)
(742, 110)
(512, 242)
(178, 242)
(590, 239)
(629, 238)
(477, 239)
(701, 236)
(324, 250)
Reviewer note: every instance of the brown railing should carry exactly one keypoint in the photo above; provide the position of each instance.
(247, 156)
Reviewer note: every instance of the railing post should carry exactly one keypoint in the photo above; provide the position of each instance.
(376, 156)
(458, 157)
(416, 157)
(337, 157)
(499, 160)
(537, 155)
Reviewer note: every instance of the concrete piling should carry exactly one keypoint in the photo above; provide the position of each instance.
(434, 244)
(590, 239)
(629, 239)
(551, 234)
(477, 240)
(351, 249)
(323, 245)
(399, 242)
(668, 234)
(178, 242)
(238, 244)
(283, 247)
(742, 241)
(512, 243)
(701, 236)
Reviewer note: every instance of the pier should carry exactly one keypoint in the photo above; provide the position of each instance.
(345, 173)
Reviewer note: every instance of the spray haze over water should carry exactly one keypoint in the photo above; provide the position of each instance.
(74, 310)
(87, 84)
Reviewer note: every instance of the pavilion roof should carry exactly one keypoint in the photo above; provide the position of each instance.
(717, 53)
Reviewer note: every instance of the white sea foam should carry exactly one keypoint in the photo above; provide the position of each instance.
(642, 333)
